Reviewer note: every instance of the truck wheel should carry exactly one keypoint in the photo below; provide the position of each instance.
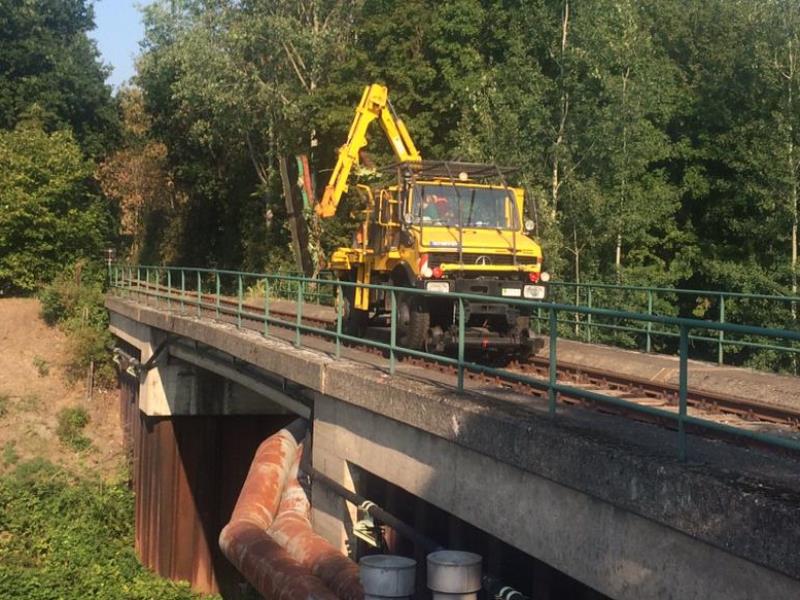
(413, 321)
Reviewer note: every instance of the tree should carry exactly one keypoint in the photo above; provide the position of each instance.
(51, 214)
(233, 86)
(138, 178)
(622, 93)
(47, 60)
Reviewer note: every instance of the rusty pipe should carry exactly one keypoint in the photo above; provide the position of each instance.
(268, 567)
(292, 530)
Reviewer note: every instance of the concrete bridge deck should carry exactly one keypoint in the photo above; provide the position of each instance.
(595, 496)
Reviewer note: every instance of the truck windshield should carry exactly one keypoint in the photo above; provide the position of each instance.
(437, 204)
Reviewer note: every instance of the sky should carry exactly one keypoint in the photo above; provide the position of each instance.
(119, 29)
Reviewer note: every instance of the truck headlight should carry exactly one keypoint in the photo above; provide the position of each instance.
(440, 287)
(511, 292)
(533, 292)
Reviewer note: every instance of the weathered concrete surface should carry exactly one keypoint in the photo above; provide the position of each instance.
(617, 552)
(173, 387)
(618, 479)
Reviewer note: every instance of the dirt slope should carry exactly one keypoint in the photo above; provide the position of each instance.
(33, 388)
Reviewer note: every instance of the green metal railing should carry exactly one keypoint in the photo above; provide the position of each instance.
(221, 293)
(716, 306)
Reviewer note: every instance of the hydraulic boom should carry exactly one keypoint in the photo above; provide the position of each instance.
(374, 105)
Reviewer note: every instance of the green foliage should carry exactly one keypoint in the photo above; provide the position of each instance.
(51, 215)
(50, 67)
(74, 301)
(41, 366)
(10, 455)
(71, 539)
(71, 423)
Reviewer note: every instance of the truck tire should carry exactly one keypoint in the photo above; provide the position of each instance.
(414, 320)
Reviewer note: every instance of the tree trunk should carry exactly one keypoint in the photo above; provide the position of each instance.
(556, 178)
(792, 167)
(624, 181)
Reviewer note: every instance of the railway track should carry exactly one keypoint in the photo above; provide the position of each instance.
(740, 412)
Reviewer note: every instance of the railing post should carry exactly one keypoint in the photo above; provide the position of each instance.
(461, 333)
(239, 301)
(139, 282)
(183, 291)
(199, 294)
(392, 331)
(169, 289)
(216, 273)
(552, 374)
(266, 306)
(720, 333)
(683, 388)
(538, 320)
(339, 306)
(589, 316)
(649, 323)
(300, 286)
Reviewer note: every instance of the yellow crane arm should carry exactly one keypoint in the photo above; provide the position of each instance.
(374, 105)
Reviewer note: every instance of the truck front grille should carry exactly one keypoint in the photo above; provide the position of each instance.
(472, 258)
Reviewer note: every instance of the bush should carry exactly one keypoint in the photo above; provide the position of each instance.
(71, 423)
(41, 366)
(71, 539)
(10, 455)
(74, 302)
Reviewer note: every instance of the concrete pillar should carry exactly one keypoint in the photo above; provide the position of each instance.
(331, 516)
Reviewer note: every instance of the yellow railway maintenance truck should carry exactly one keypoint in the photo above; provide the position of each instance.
(437, 226)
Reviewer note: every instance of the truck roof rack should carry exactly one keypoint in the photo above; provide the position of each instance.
(445, 169)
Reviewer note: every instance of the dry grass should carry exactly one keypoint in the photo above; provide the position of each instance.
(31, 399)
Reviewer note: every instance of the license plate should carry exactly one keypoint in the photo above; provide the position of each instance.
(512, 292)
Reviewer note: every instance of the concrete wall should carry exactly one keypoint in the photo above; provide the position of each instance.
(614, 551)
(174, 387)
